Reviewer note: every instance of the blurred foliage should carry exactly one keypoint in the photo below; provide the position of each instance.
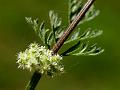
(87, 73)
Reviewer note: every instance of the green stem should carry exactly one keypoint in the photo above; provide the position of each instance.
(34, 80)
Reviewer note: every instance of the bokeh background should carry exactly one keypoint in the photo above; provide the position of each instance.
(82, 73)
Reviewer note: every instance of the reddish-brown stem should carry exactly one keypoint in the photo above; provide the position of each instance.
(72, 26)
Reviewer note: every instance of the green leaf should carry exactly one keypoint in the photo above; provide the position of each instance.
(90, 34)
(96, 52)
(43, 34)
(91, 14)
(34, 23)
(46, 37)
(74, 7)
(71, 49)
(84, 46)
(75, 34)
(87, 50)
(50, 39)
(75, 37)
(39, 29)
(55, 26)
(54, 20)
(29, 20)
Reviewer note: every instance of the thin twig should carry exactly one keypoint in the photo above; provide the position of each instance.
(72, 26)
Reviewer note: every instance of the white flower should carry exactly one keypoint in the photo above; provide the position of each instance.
(38, 58)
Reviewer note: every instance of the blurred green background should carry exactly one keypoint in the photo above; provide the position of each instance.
(82, 73)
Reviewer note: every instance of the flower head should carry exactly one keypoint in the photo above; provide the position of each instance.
(38, 58)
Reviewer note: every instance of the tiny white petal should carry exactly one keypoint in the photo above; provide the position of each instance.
(39, 58)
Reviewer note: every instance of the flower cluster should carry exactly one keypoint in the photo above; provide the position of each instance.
(38, 58)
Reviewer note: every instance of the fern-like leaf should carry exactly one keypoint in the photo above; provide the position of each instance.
(55, 24)
(39, 29)
(88, 34)
(74, 7)
(66, 53)
(91, 14)
(83, 49)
